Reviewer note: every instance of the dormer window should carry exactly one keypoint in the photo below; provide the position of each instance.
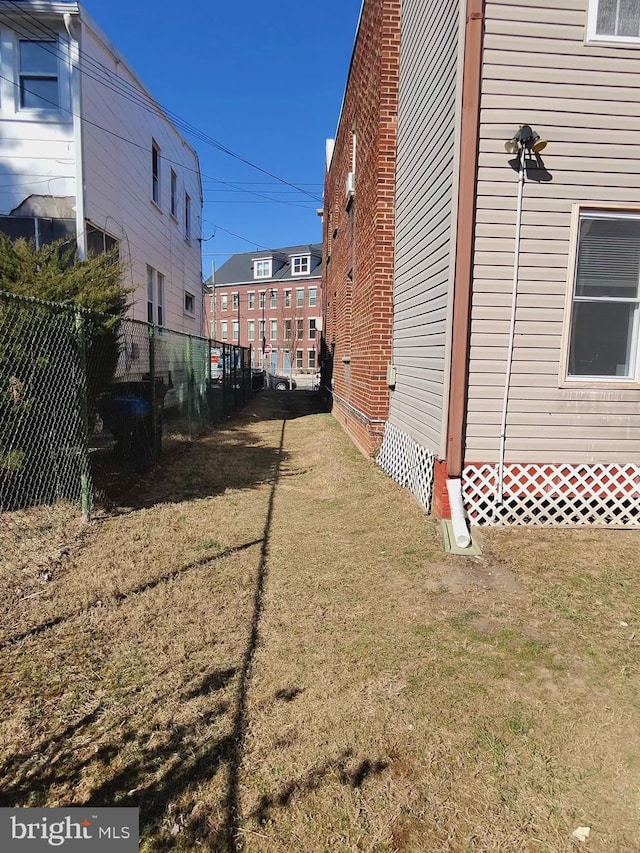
(262, 268)
(300, 264)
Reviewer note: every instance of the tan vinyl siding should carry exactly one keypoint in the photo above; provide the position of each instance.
(585, 99)
(424, 215)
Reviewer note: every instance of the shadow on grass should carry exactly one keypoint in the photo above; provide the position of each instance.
(160, 768)
(124, 596)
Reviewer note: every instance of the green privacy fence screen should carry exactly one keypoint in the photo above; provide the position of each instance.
(84, 398)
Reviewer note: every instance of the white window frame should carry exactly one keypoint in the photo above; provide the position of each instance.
(235, 301)
(155, 297)
(224, 330)
(311, 359)
(303, 262)
(262, 267)
(262, 299)
(251, 330)
(224, 301)
(287, 329)
(287, 299)
(235, 330)
(21, 75)
(312, 331)
(156, 173)
(273, 330)
(299, 359)
(273, 298)
(299, 328)
(299, 297)
(585, 381)
(251, 300)
(593, 35)
(262, 330)
(313, 300)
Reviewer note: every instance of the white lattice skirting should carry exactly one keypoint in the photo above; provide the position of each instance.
(409, 464)
(554, 494)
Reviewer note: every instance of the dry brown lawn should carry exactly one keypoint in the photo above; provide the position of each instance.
(267, 650)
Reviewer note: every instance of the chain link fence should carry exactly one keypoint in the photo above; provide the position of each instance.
(85, 403)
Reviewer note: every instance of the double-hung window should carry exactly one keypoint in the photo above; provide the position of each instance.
(300, 297)
(38, 72)
(614, 20)
(262, 298)
(235, 301)
(155, 297)
(251, 330)
(605, 313)
(273, 299)
(251, 300)
(313, 297)
(273, 330)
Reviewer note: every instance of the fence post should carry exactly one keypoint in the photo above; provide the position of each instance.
(85, 486)
(152, 393)
(190, 387)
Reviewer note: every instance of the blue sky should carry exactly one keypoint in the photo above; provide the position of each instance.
(265, 80)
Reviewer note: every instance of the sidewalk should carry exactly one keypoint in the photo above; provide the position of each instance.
(267, 650)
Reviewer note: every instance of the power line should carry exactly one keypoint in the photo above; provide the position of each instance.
(145, 148)
(106, 79)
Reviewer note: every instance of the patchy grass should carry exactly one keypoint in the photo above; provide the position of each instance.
(266, 650)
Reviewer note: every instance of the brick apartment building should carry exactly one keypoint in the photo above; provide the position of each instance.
(270, 298)
(358, 225)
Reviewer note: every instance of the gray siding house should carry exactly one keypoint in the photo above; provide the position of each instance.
(517, 260)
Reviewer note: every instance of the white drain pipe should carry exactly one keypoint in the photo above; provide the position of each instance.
(458, 519)
(512, 329)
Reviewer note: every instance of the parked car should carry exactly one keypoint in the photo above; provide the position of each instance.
(280, 383)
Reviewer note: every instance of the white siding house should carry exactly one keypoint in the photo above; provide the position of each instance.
(86, 152)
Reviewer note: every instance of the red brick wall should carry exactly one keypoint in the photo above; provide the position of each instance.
(358, 242)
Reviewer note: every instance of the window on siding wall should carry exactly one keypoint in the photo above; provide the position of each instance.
(174, 194)
(189, 302)
(155, 173)
(155, 297)
(606, 298)
(614, 19)
(187, 217)
(38, 75)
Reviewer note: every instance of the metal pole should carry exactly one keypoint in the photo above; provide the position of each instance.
(189, 387)
(152, 393)
(85, 485)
